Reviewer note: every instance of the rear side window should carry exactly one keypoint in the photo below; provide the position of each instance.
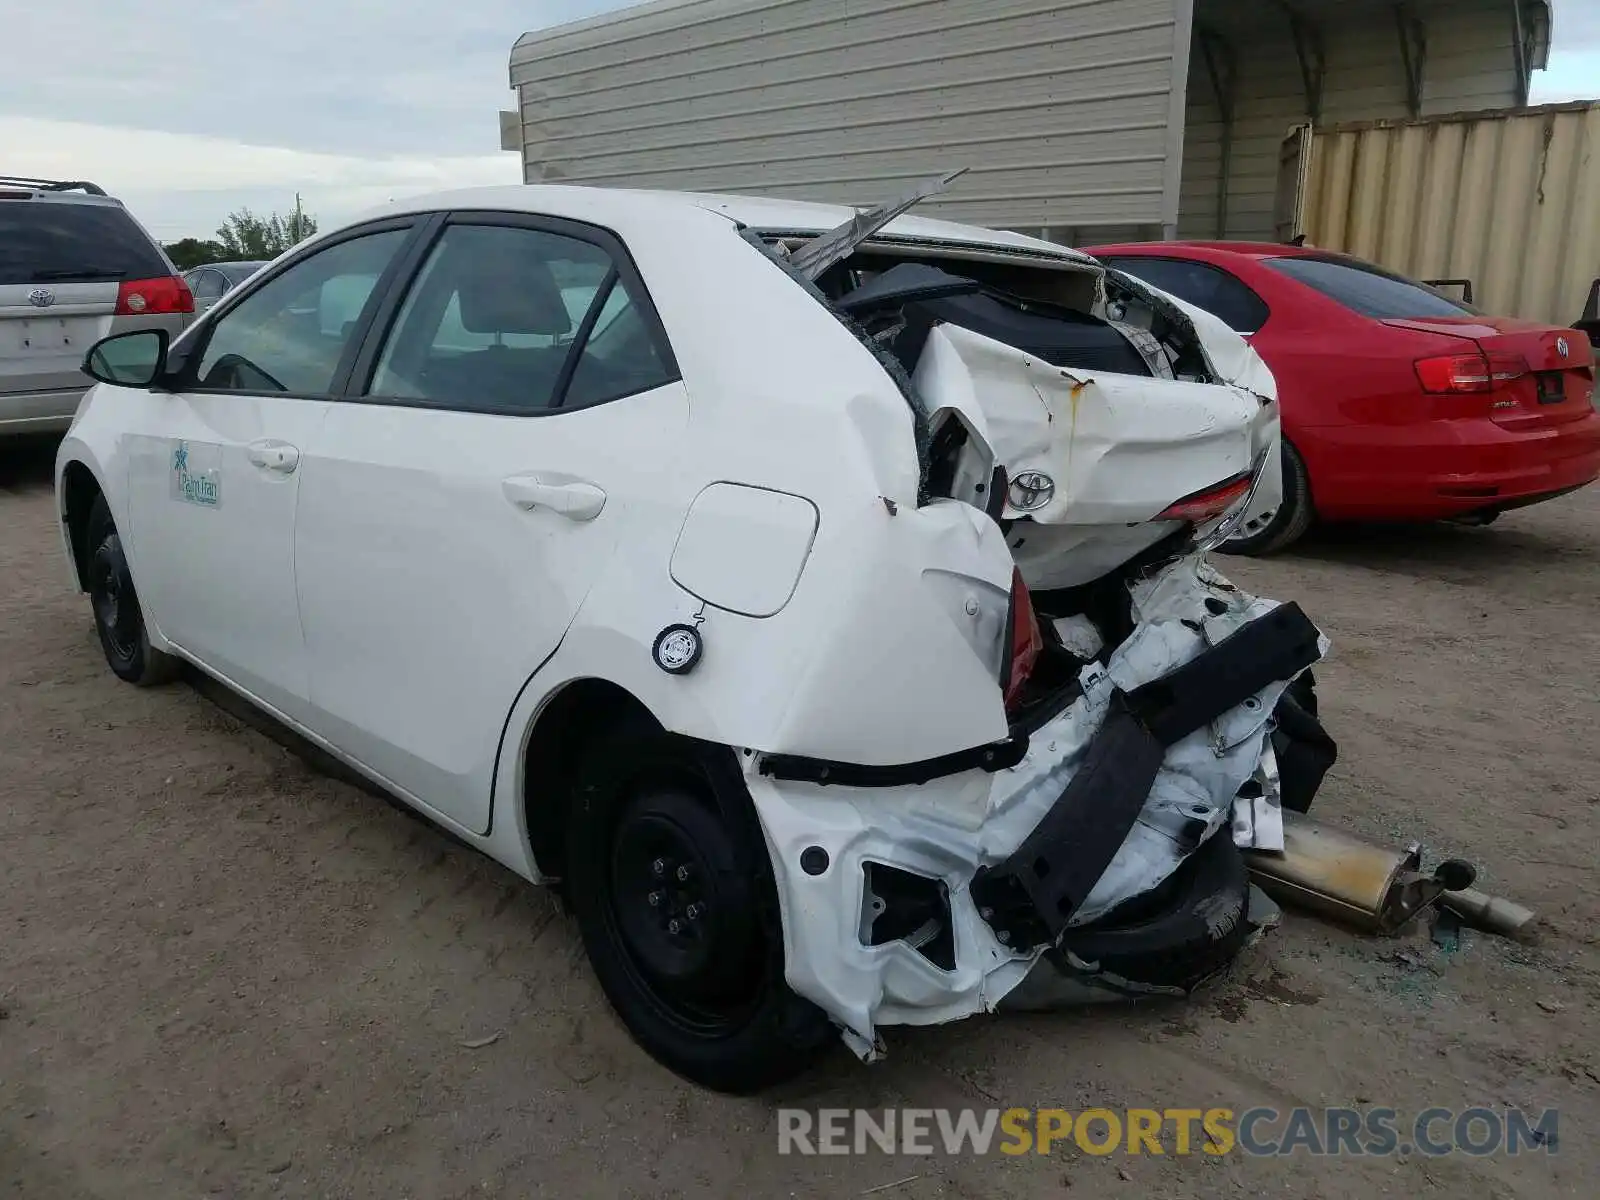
(1369, 290)
(45, 241)
(510, 319)
(1202, 285)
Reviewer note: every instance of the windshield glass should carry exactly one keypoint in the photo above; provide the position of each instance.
(1369, 290)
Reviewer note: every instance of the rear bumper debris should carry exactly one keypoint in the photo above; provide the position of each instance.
(885, 890)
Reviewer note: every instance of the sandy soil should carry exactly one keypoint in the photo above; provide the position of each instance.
(223, 973)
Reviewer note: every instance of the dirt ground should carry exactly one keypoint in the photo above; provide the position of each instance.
(223, 973)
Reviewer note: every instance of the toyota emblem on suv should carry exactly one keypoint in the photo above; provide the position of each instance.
(41, 297)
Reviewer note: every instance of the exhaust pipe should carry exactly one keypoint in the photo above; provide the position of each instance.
(1492, 914)
(1353, 881)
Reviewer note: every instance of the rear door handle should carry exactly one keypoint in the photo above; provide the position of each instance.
(273, 455)
(573, 499)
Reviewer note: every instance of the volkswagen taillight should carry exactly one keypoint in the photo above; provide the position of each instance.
(1468, 374)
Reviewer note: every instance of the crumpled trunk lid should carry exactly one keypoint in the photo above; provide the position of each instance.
(1093, 457)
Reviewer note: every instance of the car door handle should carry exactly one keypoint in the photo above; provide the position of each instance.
(573, 499)
(273, 455)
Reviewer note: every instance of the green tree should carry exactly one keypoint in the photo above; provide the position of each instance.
(246, 236)
(194, 252)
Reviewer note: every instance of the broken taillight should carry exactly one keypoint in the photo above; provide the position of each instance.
(1025, 642)
(1209, 503)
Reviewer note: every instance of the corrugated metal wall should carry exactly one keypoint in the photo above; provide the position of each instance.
(1509, 200)
(1469, 63)
(1066, 112)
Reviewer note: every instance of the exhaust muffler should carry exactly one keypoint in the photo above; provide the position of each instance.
(1353, 881)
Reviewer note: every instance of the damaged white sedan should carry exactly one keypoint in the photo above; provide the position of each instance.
(819, 597)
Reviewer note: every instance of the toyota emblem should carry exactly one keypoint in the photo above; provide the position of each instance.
(1562, 348)
(41, 297)
(1031, 490)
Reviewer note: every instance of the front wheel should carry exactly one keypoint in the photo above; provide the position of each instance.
(669, 877)
(118, 619)
(1281, 527)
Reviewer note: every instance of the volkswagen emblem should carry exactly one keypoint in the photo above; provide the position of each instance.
(1562, 348)
(41, 297)
(1031, 490)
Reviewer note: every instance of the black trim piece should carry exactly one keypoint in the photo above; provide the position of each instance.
(1044, 881)
(997, 756)
(376, 332)
(1303, 748)
(1276, 646)
(580, 339)
(999, 485)
(1057, 865)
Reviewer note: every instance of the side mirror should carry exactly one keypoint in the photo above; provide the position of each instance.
(134, 359)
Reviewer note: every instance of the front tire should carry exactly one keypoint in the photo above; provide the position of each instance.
(118, 618)
(668, 875)
(1285, 525)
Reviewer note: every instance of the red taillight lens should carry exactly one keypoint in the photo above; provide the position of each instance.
(165, 294)
(1209, 504)
(1468, 373)
(1026, 642)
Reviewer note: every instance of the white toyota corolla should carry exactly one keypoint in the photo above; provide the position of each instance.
(819, 596)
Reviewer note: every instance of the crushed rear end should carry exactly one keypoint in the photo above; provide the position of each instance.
(1112, 435)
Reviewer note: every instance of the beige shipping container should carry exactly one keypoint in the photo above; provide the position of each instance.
(1508, 200)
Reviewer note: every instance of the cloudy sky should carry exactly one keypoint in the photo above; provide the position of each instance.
(188, 109)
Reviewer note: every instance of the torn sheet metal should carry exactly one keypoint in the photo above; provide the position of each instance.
(1258, 808)
(1110, 451)
(950, 828)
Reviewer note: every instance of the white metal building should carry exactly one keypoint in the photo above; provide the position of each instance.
(1088, 119)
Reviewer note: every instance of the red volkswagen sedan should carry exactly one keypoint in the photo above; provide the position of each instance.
(1398, 403)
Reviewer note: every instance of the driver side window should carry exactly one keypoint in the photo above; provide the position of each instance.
(290, 335)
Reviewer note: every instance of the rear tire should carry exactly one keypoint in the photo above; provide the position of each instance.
(118, 618)
(1286, 524)
(1200, 926)
(670, 880)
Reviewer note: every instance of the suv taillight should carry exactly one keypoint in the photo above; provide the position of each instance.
(1468, 374)
(162, 295)
(1024, 642)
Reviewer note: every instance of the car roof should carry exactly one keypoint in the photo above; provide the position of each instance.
(1246, 249)
(767, 214)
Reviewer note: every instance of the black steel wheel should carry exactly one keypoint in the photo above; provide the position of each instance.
(669, 878)
(118, 618)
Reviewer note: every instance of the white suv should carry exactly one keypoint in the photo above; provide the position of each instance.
(668, 546)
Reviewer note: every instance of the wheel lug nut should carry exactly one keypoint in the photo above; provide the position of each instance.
(659, 868)
(694, 910)
(655, 899)
(684, 873)
(674, 926)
